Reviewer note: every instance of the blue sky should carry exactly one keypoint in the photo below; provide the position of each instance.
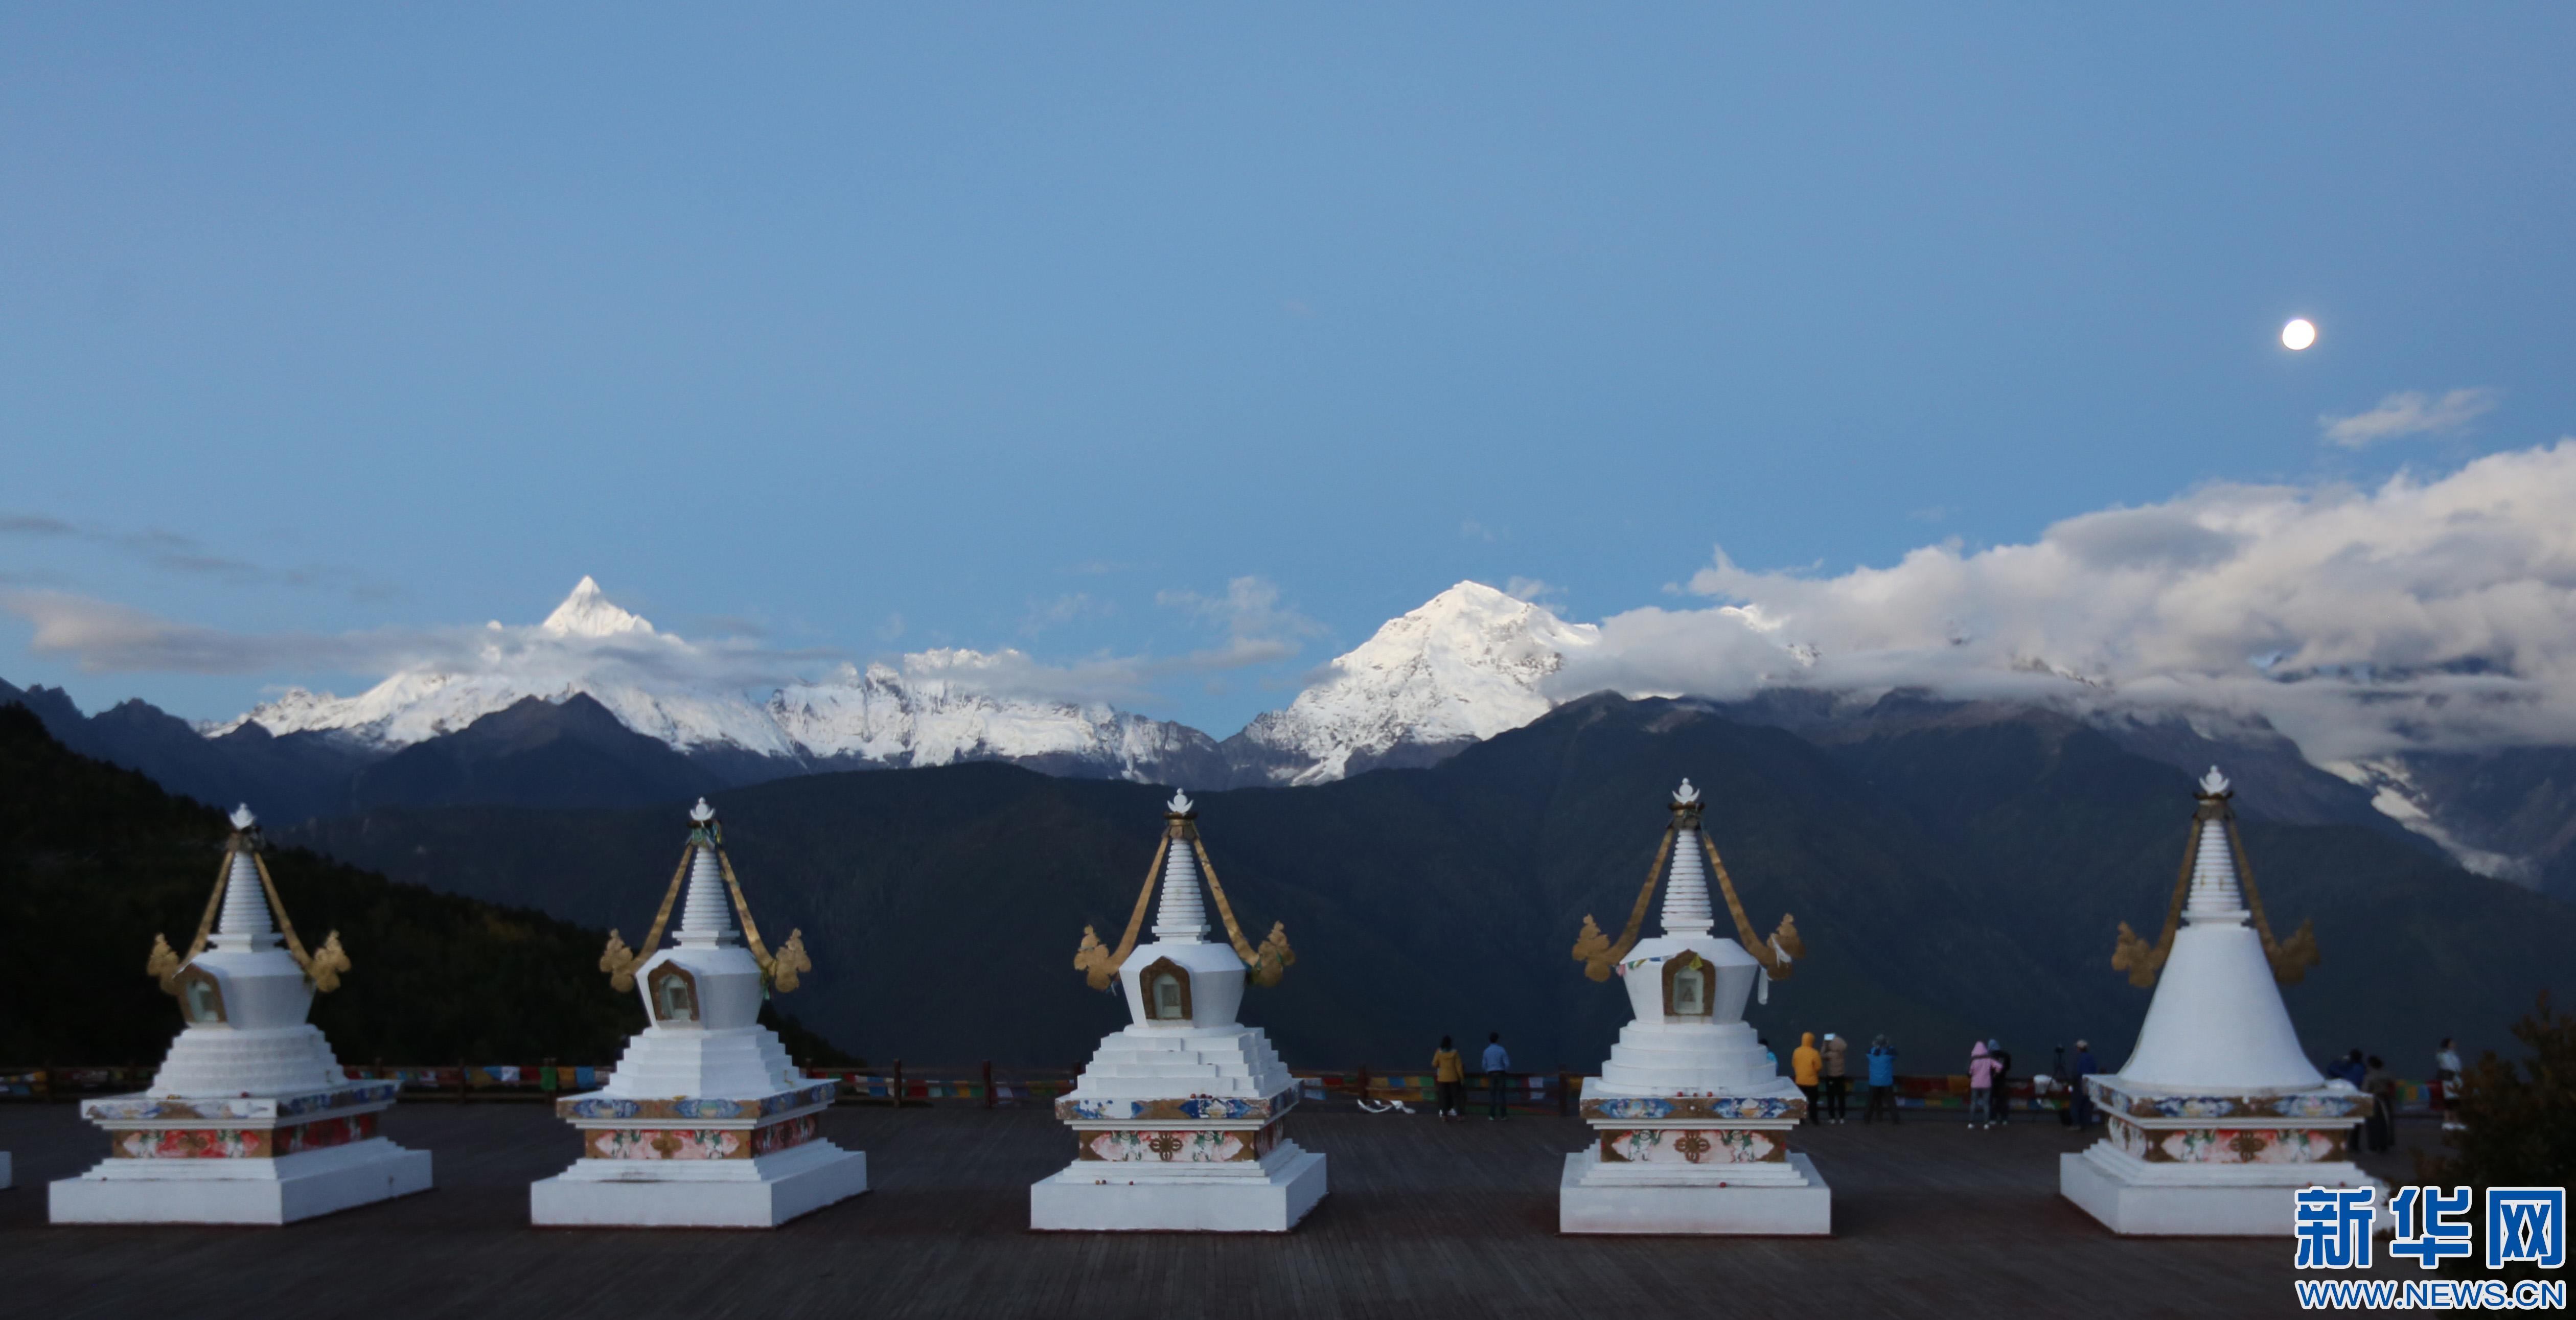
(862, 333)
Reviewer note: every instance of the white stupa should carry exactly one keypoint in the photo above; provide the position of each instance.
(250, 1120)
(2218, 1117)
(706, 1122)
(1691, 1120)
(1178, 1121)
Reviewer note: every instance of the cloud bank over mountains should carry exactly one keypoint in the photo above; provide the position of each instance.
(2427, 613)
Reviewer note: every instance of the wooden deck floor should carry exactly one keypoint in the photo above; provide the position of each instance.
(1424, 1219)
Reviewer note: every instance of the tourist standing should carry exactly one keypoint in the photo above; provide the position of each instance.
(1837, 1077)
(1498, 1075)
(1981, 1087)
(1882, 1082)
(2381, 1129)
(2002, 1103)
(2350, 1068)
(2446, 1077)
(1809, 1065)
(1449, 1075)
(2084, 1067)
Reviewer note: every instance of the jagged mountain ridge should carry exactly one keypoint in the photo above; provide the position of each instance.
(1468, 664)
(876, 716)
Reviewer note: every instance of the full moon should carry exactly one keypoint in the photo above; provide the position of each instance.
(2298, 334)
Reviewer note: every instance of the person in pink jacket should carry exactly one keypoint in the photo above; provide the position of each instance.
(1982, 1068)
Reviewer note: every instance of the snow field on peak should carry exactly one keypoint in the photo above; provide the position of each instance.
(590, 646)
(1466, 665)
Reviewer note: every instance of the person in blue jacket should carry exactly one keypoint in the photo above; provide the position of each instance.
(1882, 1082)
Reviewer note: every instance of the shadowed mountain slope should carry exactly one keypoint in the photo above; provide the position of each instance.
(1952, 879)
(95, 860)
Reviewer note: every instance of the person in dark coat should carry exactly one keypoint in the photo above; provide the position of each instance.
(2003, 1080)
(2085, 1066)
(2381, 1130)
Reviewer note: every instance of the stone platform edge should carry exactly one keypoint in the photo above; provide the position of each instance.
(1077, 1200)
(339, 1178)
(828, 1178)
(1694, 1211)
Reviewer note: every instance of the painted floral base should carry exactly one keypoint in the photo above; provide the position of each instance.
(697, 1143)
(1160, 1146)
(2112, 1098)
(599, 1104)
(129, 1108)
(1187, 1109)
(1657, 1108)
(238, 1143)
(2218, 1145)
(1691, 1146)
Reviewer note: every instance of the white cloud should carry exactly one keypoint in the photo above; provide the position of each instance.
(1258, 628)
(105, 637)
(2412, 412)
(2436, 612)
(1069, 607)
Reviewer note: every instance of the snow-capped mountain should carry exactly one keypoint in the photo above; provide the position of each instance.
(879, 716)
(588, 645)
(884, 716)
(1465, 666)
(1468, 664)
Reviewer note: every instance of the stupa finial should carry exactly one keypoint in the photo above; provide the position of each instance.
(241, 817)
(1180, 805)
(702, 813)
(1685, 795)
(2213, 784)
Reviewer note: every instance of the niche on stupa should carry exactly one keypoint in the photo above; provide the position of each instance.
(673, 991)
(201, 997)
(1167, 991)
(1690, 986)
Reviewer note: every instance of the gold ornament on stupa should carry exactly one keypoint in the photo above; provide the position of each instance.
(1099, 963)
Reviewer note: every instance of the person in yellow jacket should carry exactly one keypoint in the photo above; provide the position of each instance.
(1450, 1072)
(1807, 1063)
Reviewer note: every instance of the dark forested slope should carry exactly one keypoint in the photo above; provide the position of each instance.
(1949, 880)
(96, 860)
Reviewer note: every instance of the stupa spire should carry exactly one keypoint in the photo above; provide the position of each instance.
(1182, 916)
(2214, 890)
(706, 915)
(2215, 894)
(245, 922)
(1687, 910)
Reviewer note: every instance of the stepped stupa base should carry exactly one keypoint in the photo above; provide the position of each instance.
(1588, 1203)
(2133, 1197)
(240, 1191)
(1095, 1197)
(762, 1192)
